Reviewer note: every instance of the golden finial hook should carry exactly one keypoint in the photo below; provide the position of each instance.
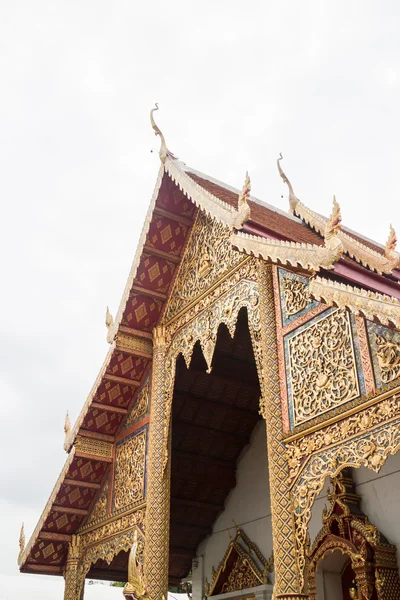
(22, 539)
(163, 149)
(243, 210)
(109, 325)
(293, 200)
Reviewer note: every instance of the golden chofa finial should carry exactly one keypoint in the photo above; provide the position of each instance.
(21, 540)
(163, 149)
(243, 210)
(110, 326)
(332, 228)
(67, 431)
(390, 249)
(293, 200)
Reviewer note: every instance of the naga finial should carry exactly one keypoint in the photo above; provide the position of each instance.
(163, 149)
(332, 228)
(22, 540)
(243, 213)
(135, 584)
(67, 431)
(109, 325)
(334, 223)
(391, 242)
(293, 200)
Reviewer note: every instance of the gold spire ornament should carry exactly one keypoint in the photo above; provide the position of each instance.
(135, 587)
(390, 249)
(67, 431)
(243, 210)
(21, 541)
(157, 131)
(293, 200)
(332, 229)
(110, 326)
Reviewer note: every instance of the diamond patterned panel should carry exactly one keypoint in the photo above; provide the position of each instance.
(125, 365)
(102, 421)
(142, 312)
(116, 394)
(48, 553)
(154, 273)
(87, 470)
(73, 496)
(172, 199)
(59, 522)
(166, 235)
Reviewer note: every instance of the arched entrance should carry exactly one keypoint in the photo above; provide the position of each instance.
(350, 558)
(213, 417)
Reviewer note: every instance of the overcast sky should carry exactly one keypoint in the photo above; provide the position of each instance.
(237, 82)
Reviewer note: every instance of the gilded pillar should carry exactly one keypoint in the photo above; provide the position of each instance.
(158, 479)
(287, 586)
(73, 575)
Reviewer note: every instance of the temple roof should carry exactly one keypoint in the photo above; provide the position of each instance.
(179, 193)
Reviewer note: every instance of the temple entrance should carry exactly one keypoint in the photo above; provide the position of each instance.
(213, 417)
(335, 577)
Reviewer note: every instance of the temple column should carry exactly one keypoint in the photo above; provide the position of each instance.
(158, 480)
(73, 575)
(287, 586)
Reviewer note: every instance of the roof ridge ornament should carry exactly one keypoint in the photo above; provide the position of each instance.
(67, 431)
(293, 200)
(21, 541)
(110, 326)
(163, 153)
(390, 249)
(243, 209)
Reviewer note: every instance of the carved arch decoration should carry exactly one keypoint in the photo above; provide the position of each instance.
(347, 529)
(107, 541)
(243, 566)
(201, 325)
(364, 439)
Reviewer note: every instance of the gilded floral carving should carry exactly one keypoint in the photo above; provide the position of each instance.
(388, 353)
(296, 295)
(139, 408)
(322, 371)
(99, 510)
(208, 255)
(130, 464)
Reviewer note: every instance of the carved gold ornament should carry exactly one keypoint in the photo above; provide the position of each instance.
(382, 263)
(157, 131)
(243, 213)
(99, 510)
(21, 541)
(307, 256)
(130, 461)
(208, 255)
(369, 304)
(322, 370)
(110, 326)
(93, 446)
(67, 431)
(135, 584)
(134, 343)
(139, 408)
(388, 358)
(359, 441)
(296, 295)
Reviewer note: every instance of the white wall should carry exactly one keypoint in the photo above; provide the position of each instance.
(248, 504)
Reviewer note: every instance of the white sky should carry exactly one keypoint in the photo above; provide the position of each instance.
(237, 83)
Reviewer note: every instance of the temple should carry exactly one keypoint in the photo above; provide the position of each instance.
(241, 435)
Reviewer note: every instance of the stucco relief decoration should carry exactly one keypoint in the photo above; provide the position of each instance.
(204, 329)
(322, 371)
(388, 354)
(106, 548)
(365, 439)
(99, 510)
(296, 296)
(208, 255)
(129, 475)
(139, 408)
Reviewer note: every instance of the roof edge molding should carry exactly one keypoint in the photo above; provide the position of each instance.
(363, 254)
(371, 305)
(308, 256)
